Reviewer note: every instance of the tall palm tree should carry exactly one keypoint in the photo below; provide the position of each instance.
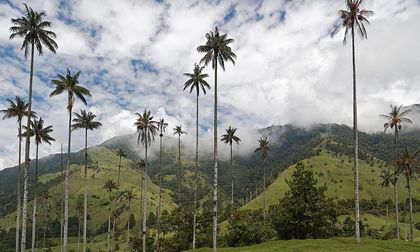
(196, 81)
(218, 51)
(85, 120)
(129, 196)
(18, 109)
(162, 127)
(69, 84)
(387, 179)
(178, 131)
(79, 208)
(229, 138)
(395, 119)
(264, 148)
(351, 19)
(45, 198)
(147, 130)
(408, 164)
(41, 134)
(33, 28)
(109, 186)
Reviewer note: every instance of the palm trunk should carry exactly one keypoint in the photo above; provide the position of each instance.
(117, 201)
(78, 234)
(160, 194)
(264, 194)
(35, 198)
(411, 210)
(179, 169)
(231, 176)
(62, 203)
(128, 224)
(396, 184)
(196, 176)
(141, 198)
(109, 220)
(45, 236)
(27, 149)
(355, 146)
(215, 161)
(18, 175)
(85, 197)
(145, 201)
(66, 192)
(387, 206)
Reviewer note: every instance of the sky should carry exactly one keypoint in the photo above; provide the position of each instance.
(132, 56)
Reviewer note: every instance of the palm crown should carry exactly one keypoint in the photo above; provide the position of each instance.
(70, 83)
(129, 195)
(408, 163)
(217, 49)
(230, 137)
(196, 80)
(40, 133)
(387, 178)
(178, 130)
(33, 28)
(141, 164)
(353, 18)
(121, 153)
(146, 127)
(396, 118)
(17, 108)
(264, 147)
(161, 124)
(110, 185)
(85, 120)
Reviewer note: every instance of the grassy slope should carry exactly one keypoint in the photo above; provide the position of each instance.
(337, 244)
(338, 176)
(106, 167)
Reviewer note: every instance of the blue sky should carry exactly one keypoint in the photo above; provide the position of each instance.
(132, 55)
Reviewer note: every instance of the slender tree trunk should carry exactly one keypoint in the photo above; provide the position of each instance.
(411, 209)
(35, 199)
(128, 223)
(109, 221)
(179, 170)
(85, 211)
(215, 161)
(145, 201)
(141, 198)
(62, 203)
(355, 146)
(18, 186)
(264, 193)
(66, 192)
(117, 200)
(160, 193)
(231, 176)
(196, 176)
(78, 234)
(45, 235)
(396, 184)
(387, 205)
(27, 150)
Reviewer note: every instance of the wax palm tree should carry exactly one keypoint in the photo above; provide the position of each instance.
(196, 80)
(33, 28)
(387, 178)
(229, 138)
(109, 186)
(178, 131)
(18, 109)
(264, 148)
(79, 208)
(147, 129)
(395, 119)
(217, 51)
(120, 153)
(41, 134)
(69, 84)
(85, 120)
(351, 19)
(408, 164)
(161, 124)
(45, 198)
(129, 196)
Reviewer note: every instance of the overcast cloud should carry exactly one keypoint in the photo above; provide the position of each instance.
(132, 55)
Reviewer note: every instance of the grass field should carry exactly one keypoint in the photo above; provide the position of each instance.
(335, 244)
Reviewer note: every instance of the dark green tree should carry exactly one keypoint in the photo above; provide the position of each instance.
(264, 148)
(305, 211)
